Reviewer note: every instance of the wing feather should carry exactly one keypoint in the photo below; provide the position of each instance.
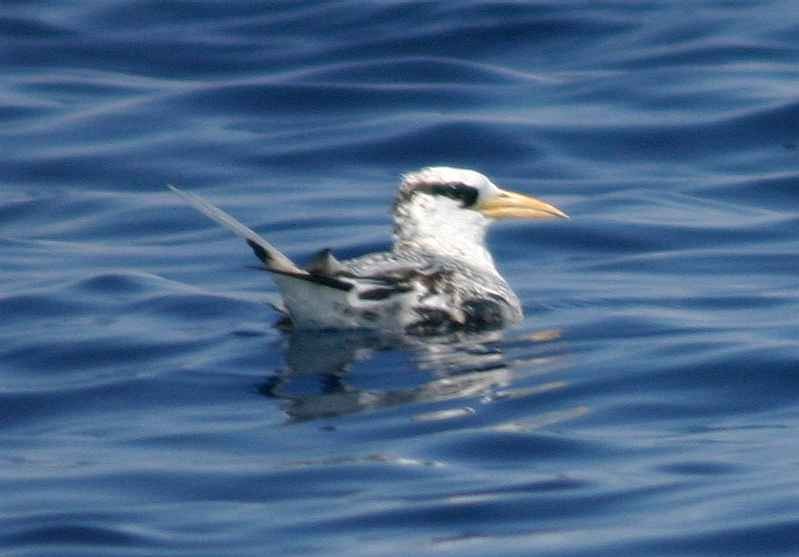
(266, 252)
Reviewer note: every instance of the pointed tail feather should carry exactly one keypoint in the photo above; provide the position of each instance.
(272, 258)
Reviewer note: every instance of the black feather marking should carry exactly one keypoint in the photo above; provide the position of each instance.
(317, 279)
(467, 195)
(260, 252)
(383, 293)
(484, 314)
(432, 321)
(314, 277)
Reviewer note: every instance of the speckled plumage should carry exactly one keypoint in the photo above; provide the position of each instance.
(449, 292)
(439, 275)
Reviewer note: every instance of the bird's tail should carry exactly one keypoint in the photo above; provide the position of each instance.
(272, 258)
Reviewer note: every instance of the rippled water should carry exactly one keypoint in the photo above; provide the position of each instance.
(644, 407)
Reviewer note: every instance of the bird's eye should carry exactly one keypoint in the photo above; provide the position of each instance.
(467, 195)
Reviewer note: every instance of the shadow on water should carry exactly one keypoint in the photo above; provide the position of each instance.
(318, 382)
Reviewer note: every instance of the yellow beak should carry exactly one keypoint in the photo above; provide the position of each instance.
(509, 205)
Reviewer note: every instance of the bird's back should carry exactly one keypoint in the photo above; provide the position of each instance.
(434, 292)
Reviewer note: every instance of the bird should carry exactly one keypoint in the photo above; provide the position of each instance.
(438, 277)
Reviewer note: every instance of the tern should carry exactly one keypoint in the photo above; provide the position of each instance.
(438, 277)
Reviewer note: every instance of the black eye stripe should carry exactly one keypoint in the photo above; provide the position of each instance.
(467, 195)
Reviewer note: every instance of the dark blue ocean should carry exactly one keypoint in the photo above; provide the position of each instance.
(647, 405)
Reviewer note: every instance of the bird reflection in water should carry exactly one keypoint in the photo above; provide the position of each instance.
(318, 380)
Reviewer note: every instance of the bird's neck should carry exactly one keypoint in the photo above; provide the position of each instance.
(441, 227)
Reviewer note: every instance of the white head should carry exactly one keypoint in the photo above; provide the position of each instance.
(447, 211)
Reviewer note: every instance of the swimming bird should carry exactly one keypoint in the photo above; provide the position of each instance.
(438, 277)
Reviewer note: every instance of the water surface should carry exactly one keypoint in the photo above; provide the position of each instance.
(644, 407)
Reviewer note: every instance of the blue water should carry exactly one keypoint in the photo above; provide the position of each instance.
(647, 405)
